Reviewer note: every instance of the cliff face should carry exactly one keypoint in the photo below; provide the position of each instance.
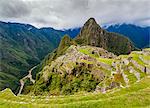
(92, 34)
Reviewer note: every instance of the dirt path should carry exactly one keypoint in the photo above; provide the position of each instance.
(28, 76)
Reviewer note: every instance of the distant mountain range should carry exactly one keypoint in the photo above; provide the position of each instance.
(23, 46)
(139, 35)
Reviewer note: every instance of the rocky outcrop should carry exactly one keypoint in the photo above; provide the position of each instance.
(92, 34)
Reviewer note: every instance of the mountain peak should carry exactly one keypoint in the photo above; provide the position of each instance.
(91, 20)
(65, 41)
(92, 34)
(91, 23)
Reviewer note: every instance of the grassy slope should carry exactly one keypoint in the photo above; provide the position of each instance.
(75, 84)
(103, 60)
(137, 95)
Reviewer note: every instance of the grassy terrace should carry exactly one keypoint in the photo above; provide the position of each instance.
(137, 95)
(103, 60)
(132, 78)
(137, 59)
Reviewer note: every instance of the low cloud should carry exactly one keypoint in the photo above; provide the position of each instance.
(13, 9)
(73, 13)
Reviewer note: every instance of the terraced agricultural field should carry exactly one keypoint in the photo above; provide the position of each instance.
(137, 95)
(131, 71)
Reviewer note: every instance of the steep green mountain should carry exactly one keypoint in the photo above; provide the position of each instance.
(83, 69)
(92, 34)
(52, 35)
(21, 47)
(90, 69)
(83, 64)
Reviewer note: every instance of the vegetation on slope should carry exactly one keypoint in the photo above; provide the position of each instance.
(74, 67)
(135, 96)
(87, 68)
(21, 47)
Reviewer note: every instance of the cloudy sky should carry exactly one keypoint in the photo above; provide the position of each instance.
(62, 14)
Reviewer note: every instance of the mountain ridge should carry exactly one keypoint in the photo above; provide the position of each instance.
(117, 28)
(75, 67)
(21, 47)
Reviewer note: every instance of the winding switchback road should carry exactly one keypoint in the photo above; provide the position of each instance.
(28, 76)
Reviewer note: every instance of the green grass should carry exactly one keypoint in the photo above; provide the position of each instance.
(87, 62)
(146, 57)
(147, 49)
(132, 78)
(103, 60)
(106, 60)
(137, 95)
(137, 59)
